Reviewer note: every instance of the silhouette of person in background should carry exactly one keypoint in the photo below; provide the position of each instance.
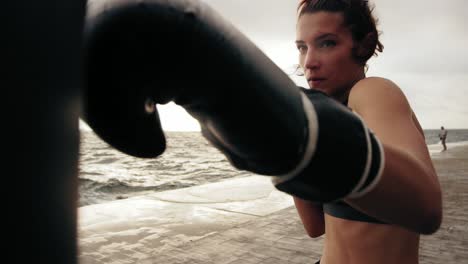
(443, 137)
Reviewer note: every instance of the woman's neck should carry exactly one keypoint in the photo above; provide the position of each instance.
(343, 96)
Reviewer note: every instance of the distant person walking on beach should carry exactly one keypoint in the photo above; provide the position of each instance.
(443, 137)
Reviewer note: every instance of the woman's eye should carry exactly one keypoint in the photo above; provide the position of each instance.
(327, 44)
(302, 49)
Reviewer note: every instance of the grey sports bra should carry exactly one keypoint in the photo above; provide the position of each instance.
(342, 210)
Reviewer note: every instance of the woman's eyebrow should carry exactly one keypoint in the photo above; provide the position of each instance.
(325, 35)
(320, 37)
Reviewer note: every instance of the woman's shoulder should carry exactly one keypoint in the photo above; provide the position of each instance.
(377, 92)
(375, 85)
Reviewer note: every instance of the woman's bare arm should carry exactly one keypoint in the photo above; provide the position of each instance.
(311, 215)
(409, 193)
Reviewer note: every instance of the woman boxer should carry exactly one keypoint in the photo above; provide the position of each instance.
(335, 38)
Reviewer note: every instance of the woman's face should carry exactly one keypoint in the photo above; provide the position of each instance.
(325, 53)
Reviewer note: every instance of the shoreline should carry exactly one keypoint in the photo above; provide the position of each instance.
(437, 147)
(434, 150)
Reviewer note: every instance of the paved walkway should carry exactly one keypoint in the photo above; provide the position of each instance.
(243, 221)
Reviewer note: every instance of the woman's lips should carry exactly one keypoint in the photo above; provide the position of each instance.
(314, 82)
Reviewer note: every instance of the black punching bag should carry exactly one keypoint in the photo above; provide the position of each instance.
(41, 81)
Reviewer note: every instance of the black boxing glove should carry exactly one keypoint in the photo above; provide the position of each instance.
(154, 51)
(159, 51)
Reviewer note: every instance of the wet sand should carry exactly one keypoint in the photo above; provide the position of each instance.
(200, 225)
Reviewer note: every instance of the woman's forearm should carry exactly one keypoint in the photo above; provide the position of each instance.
(311, 215)
(408, 194)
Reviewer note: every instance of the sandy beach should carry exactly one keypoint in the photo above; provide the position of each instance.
(450, 244)
(244, 221)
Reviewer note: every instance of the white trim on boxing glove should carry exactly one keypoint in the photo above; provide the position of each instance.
(366, 171)
(312, 121)
(359, 193)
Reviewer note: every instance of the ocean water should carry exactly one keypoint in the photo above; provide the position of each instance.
(106, 174)
(453, 135)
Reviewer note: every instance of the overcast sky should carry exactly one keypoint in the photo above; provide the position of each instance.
(426, 52)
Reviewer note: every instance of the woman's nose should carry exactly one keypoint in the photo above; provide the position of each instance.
(311, 60)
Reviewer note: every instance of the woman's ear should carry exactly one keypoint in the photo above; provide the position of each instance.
(366, 48)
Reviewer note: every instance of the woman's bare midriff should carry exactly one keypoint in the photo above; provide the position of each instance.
(355, 242)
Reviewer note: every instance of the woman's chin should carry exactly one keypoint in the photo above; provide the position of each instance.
(320, 88)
